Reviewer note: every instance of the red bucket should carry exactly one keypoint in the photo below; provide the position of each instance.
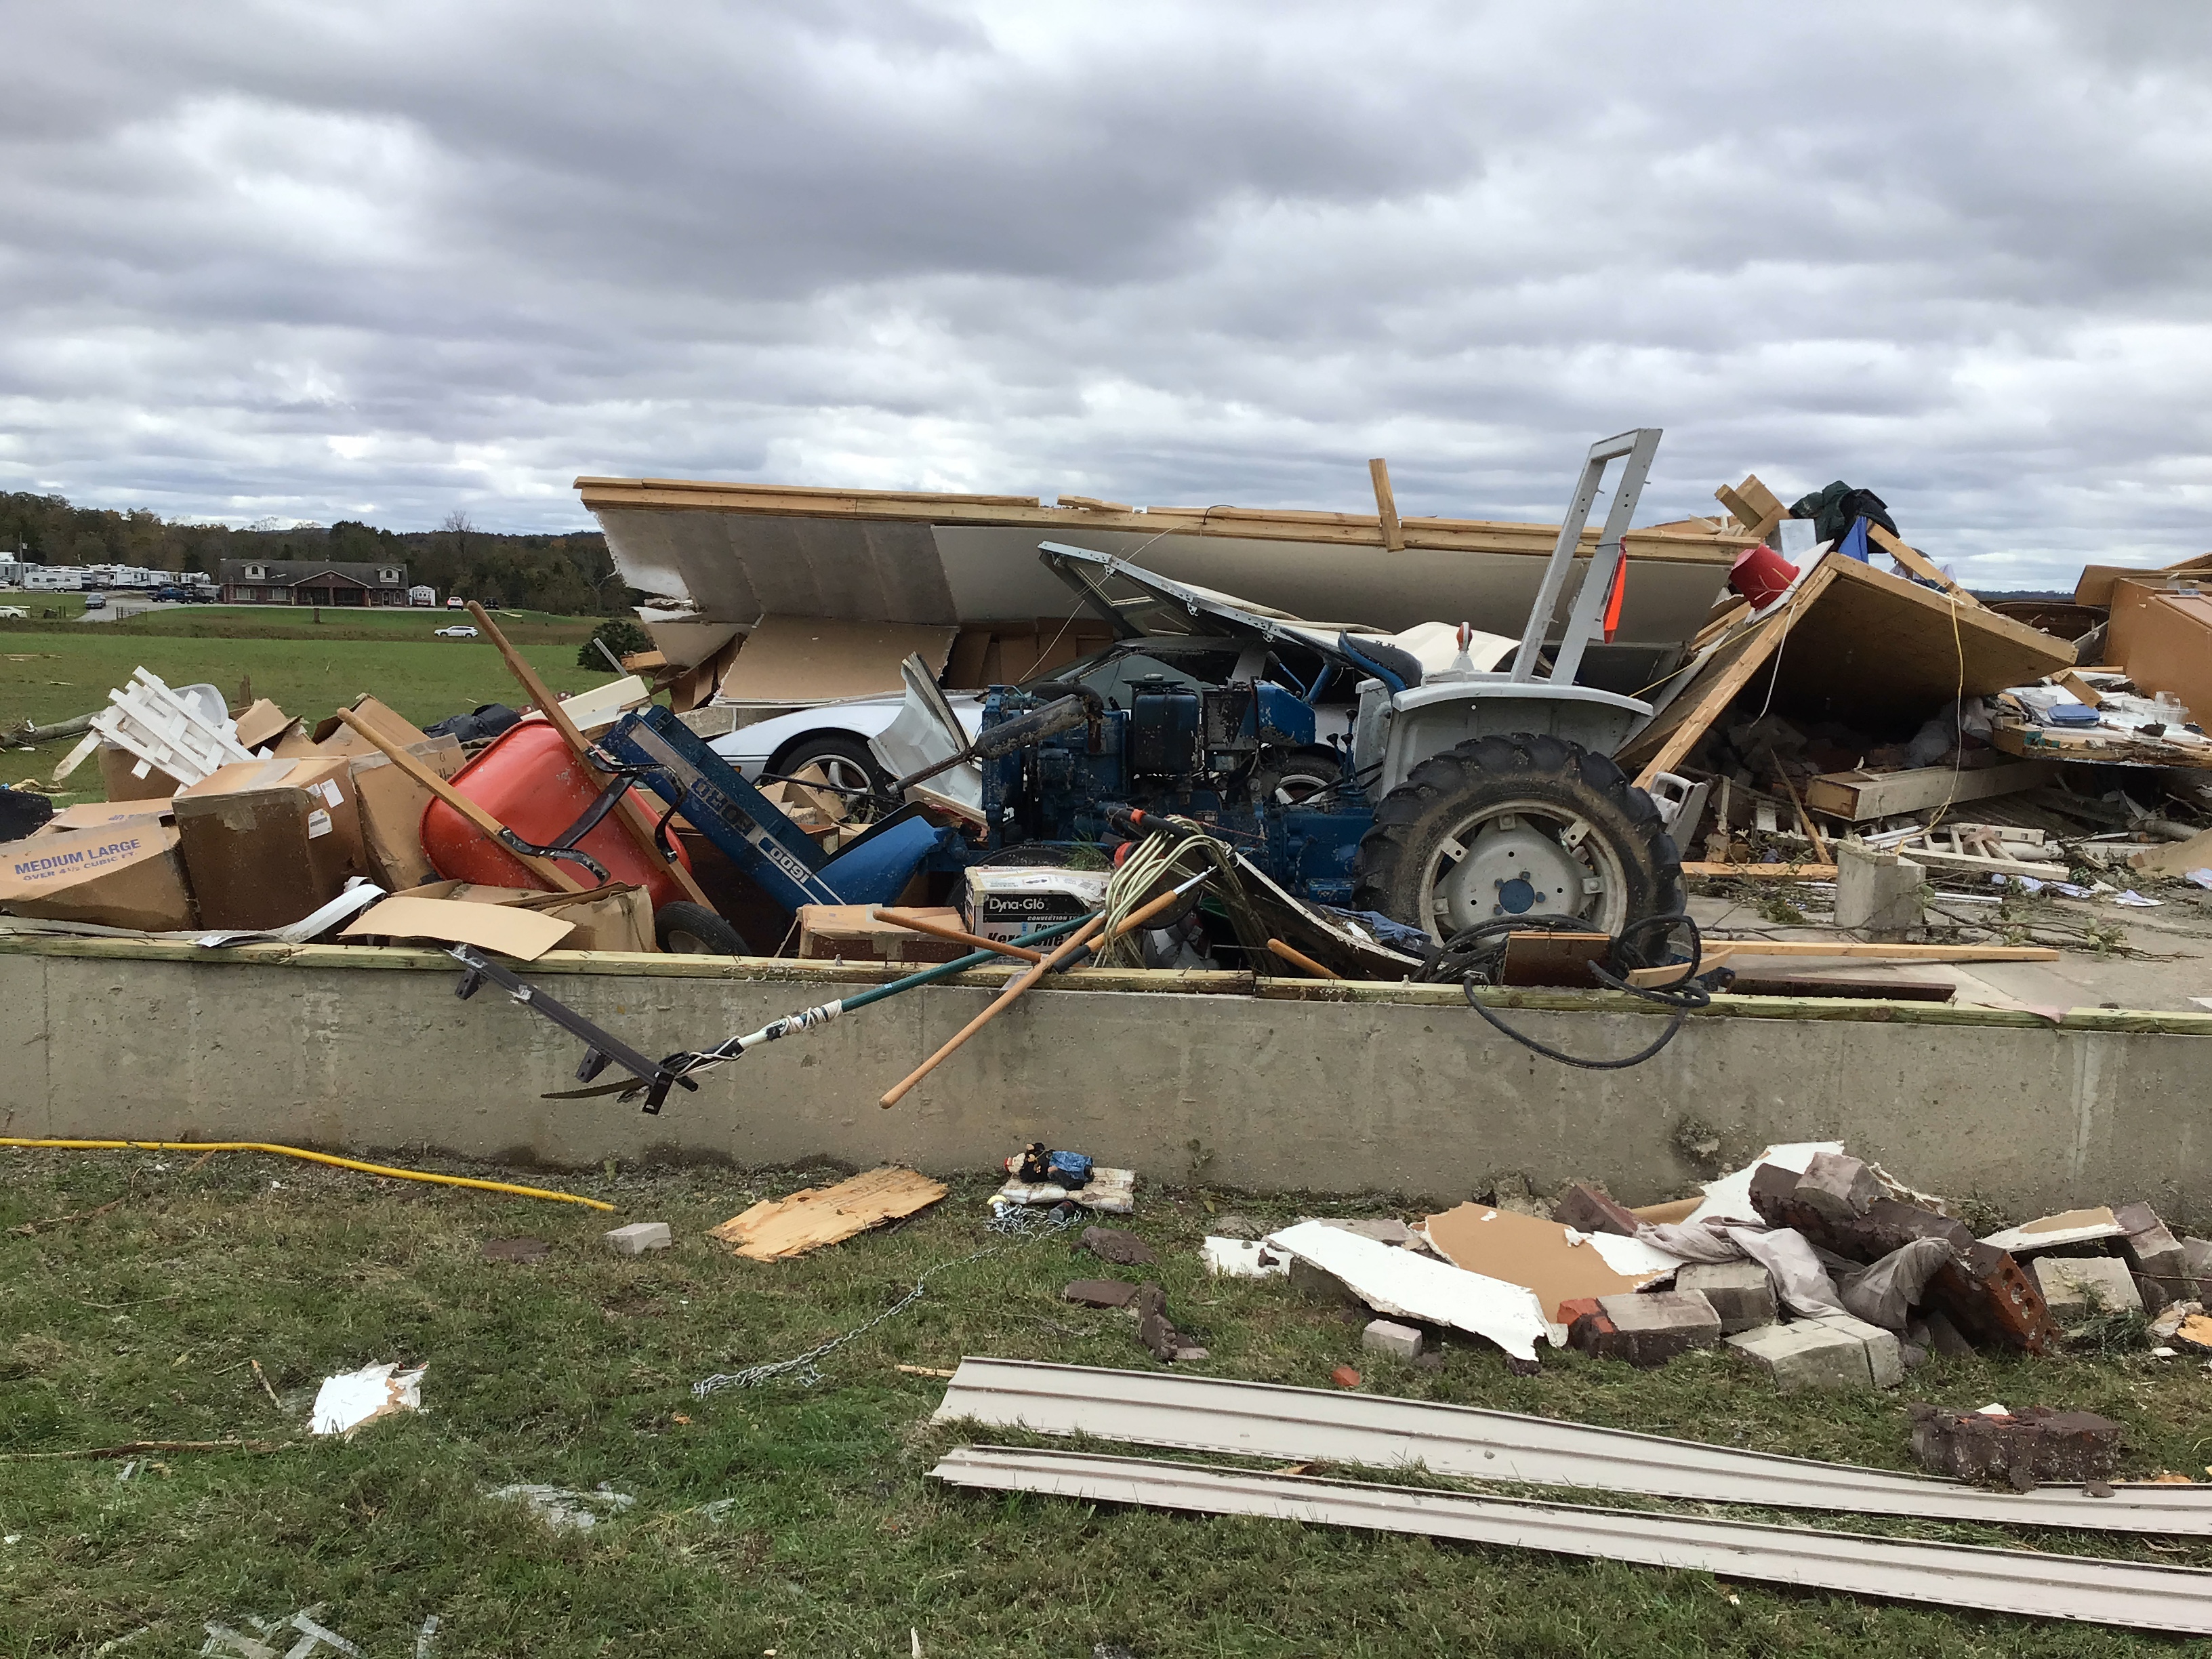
(1761, 575)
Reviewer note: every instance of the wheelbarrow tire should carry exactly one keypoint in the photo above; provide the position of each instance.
(686, 929)
(1539, 785)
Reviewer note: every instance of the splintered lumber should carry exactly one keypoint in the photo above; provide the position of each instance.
(1757, 508)
(1859, 951)
(1861, 796)
(776, 1229)
(1916, 562)
(1764, 871)
(1386, 505)
(1857, 644)
(1805, 818)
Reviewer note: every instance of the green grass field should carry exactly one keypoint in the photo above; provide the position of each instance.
(826, 1536)
(51, 671)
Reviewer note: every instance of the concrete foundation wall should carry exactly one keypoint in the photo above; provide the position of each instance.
(1414, 1095)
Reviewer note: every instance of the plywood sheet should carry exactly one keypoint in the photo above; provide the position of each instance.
(811, 659)
(776, 1229)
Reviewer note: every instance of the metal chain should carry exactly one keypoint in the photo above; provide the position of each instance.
(1015, 1225)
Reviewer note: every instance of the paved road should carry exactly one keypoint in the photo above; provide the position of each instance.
(131, 607)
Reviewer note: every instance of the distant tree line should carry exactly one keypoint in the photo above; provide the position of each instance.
(569, 573)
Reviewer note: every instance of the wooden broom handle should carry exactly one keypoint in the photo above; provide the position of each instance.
(1082, 935)
(632, 817)
(936, 929)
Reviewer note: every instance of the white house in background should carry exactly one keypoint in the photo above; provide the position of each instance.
(422, 594)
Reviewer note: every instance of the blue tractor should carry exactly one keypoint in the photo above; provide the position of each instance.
(1443, 789)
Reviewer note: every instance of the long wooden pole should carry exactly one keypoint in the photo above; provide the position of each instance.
(1075, 942)
(627, 809)
(936, 929)
(549, 868)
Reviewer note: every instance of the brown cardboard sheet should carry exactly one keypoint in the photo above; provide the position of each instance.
(1523, 1249)
(523, 934)
(614, 918)
(807, 659)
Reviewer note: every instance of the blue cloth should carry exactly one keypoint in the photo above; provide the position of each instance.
(1854, 544)
(1069, 1169)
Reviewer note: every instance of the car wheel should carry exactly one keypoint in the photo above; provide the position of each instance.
(847, 766)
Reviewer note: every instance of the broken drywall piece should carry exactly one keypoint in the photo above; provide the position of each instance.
(1397, 1281)
(1554, 1260)
(347, 1400)
(2049, 1232)
(1242, 1258)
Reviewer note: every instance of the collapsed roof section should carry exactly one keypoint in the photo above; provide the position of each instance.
(730, 553)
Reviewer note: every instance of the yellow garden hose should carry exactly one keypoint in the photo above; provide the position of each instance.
(311, 1157)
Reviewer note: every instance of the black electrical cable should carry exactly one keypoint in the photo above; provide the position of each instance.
(1474, 955)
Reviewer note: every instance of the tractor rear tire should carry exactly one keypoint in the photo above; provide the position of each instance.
(684, 929)
(1498, 827)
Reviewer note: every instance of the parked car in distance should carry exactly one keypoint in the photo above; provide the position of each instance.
(455, 603)
(201, 596)
(459, 631)
(172, 596)
(95, 601)
(15, 613)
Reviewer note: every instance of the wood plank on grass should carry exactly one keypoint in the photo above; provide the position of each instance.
(777, 1228)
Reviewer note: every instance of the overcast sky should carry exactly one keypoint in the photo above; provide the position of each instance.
(317, 260)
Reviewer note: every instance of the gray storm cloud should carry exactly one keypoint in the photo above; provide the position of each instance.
(327, 261)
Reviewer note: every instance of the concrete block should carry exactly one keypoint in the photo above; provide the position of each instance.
(639, 1237)
(1586, 1210)
(1806, 1356)
(1885, 1354)
(1877, 892)
(1741, 1292)
(2155, 1255)
(1838, 1186)
(1387, 1336)
(2020, 1448)
(1653, 1326)
(2075, 1287)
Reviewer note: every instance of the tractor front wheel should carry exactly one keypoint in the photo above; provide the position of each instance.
(1496, 828)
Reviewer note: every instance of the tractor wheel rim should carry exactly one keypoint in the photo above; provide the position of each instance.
(1522, 858)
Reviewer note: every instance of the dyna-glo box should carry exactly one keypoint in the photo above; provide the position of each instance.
(1003, 903)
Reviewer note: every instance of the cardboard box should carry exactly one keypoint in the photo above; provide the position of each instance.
(334, 737)
(95, 814)
(267, 843)
(846, 931)
(1004, 902)
(119, 783)
(264, 724)
(390, 806)
(619, 918)
(124, 873)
